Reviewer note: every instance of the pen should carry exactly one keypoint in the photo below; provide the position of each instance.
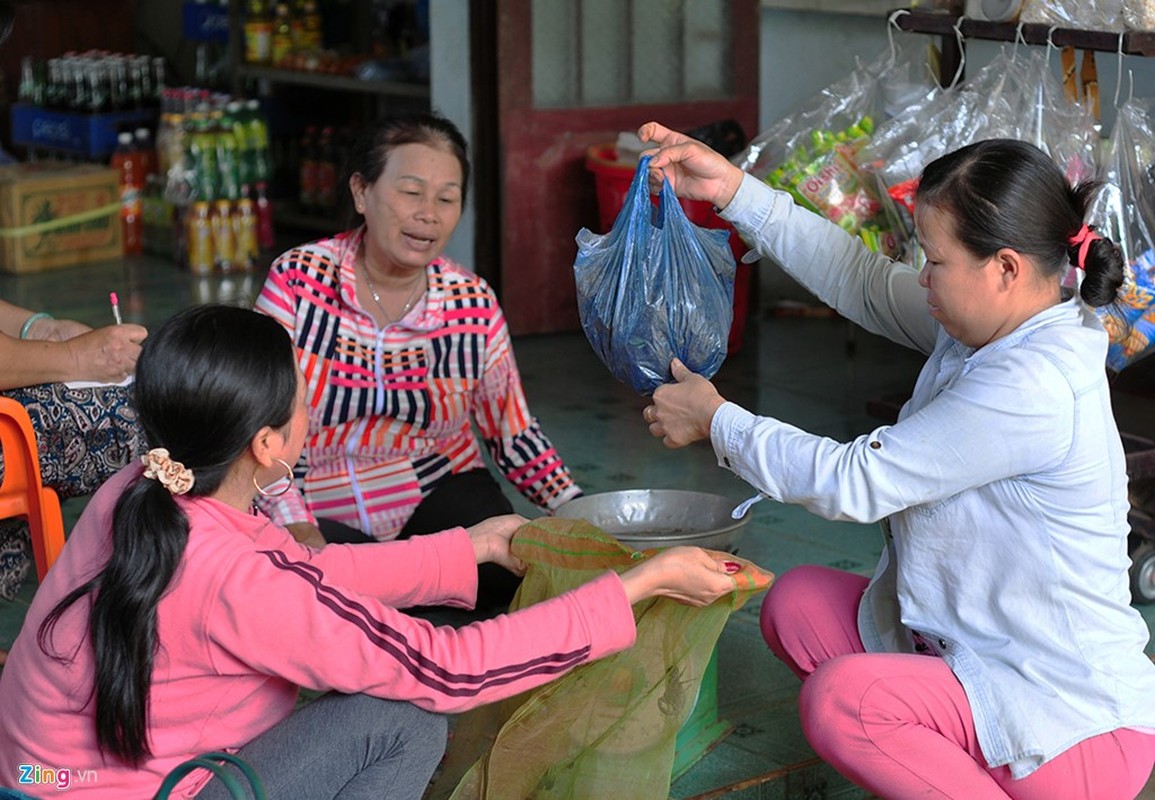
(115, 307)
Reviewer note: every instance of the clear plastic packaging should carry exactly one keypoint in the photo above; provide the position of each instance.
(1125, 212)
(1096, 15)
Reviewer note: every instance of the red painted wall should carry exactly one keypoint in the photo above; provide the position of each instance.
(547, 193)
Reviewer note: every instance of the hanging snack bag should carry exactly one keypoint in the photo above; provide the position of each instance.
(814, 152)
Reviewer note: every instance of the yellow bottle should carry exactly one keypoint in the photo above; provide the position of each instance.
(246, 246)
(258, 32)
(224, 243)
(282, 35)
(200, 240)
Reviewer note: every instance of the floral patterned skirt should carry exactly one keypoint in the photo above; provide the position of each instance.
(84, 436)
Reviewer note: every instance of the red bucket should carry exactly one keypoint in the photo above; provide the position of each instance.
(612, 182)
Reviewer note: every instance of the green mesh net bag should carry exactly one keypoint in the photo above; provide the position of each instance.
(606, 729)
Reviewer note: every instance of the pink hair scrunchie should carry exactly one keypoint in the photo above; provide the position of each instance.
(1082, 240)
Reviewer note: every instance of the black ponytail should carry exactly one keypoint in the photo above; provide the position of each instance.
(207, 381)
(1009, 193)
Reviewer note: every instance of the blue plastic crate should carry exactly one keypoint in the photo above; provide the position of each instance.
(205, 22)
(86, 136)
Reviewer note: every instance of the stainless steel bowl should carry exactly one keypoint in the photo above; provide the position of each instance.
(645, 518)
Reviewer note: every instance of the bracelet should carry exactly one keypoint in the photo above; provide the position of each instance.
(32, 320)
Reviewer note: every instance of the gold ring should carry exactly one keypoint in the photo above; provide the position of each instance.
(648, 415)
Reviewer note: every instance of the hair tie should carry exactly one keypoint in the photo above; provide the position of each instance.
(173, 475)
(1082, 240)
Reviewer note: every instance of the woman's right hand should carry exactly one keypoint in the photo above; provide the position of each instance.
(687, 574)
(307, 534)
(693, 169)
(107, 354)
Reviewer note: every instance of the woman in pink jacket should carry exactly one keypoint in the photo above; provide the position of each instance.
(179, 621)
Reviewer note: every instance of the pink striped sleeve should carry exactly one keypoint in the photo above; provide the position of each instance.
(349, 642)
(519, 447)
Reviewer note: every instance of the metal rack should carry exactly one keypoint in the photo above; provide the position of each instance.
(953, 29)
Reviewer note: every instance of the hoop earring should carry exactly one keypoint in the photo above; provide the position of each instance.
(263, 492)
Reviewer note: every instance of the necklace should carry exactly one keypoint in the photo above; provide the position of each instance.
(413, 295)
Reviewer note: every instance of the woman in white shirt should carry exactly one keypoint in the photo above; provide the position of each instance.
(994, 653)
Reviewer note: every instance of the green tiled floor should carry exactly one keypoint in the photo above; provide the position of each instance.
(816, 373)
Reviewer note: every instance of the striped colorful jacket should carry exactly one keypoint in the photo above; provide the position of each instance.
(392, 409)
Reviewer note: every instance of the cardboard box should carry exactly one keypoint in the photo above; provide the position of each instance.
(56, 215)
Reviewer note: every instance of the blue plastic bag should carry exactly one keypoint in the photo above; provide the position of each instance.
(655, 288)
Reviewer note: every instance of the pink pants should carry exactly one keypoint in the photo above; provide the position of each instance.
(900, 725)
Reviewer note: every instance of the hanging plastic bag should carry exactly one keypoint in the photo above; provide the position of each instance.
(1125, 211)
(655, 288)
(1095, 15)
(1015, 96)
(608, 728)
(813, 153)
(1139, 15)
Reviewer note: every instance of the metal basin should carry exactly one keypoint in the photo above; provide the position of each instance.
(645, 518)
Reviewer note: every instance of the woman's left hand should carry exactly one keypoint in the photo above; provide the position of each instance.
(491, 541)
(681, 412)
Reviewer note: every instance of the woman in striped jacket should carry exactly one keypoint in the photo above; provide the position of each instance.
(404, 354)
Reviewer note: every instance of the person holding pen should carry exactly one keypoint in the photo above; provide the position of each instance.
(69, 377)
(177, 621)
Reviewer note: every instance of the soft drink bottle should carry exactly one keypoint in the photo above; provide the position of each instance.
(258, 32)
(258, 134)
(246, 245)
(224, 245)
(143, 142)
(265, 234)
(312, 26)
(230, 178)
(200, 239)
(282, 35)
(127, 161)
(203, 149)
(327, 171)
(309, 172)
(235, 123)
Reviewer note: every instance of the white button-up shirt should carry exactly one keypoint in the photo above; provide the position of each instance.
(1002, 489)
